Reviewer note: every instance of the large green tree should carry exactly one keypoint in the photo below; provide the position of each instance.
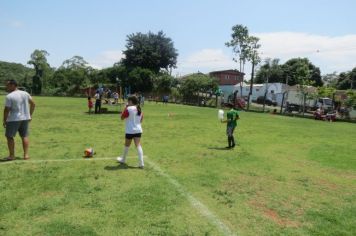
(39, 61)
(293, 69)
(72, 75)
(140, 80)
(239, 44)
(326, 91)
(193, 84)
(289, 72)
(353, 78)
(347, 80)
(163, 83)
(75, 63)
(252, 56)
(245, 47)
(15, 71)
(150, 51)
(270, 71)
(60, 82)
(330, 79)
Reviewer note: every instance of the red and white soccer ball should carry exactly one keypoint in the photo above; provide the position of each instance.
(88, 152)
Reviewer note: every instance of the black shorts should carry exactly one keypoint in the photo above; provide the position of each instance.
(13, 127)
(230, 130)
(131, 136)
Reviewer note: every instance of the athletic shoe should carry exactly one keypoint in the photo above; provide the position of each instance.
(120, 160)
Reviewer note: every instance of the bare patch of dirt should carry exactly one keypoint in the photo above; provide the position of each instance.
(274, 216)
(327, 184)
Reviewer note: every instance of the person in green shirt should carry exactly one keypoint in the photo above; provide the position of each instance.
(232, 117)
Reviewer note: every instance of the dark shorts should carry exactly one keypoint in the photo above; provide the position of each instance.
(13, 127)
(230, 130)
(131, 136)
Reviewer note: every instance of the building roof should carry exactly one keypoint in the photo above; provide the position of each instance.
(228, 83)
(227, 71)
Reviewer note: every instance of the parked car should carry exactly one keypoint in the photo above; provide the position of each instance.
(292, 107)
(268, 101)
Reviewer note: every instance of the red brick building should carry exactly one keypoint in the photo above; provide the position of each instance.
(228, 77)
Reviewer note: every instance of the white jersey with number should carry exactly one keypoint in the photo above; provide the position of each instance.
(18, 102)
(133, 121)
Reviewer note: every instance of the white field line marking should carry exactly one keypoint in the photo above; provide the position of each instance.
(55, 160)
(203, 210)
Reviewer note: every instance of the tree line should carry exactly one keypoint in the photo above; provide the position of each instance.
(294, 71)
(146, 68)
(290, 71)
(147, 65)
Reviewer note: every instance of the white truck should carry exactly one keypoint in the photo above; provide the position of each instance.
(294, 102)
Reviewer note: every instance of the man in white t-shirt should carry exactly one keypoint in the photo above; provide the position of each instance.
(19, 107)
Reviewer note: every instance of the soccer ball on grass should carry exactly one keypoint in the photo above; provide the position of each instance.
(88, 152)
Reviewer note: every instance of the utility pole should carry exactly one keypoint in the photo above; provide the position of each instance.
(251, 81)
(266, 91)
(352, 83)
(285, 99)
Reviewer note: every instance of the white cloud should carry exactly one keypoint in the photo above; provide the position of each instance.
(106, 59)
(326, 52)
(16, 24)
(329, 53)
(205, 60)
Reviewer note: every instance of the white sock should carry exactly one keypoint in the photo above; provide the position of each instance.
(126, 150)
(140, 156)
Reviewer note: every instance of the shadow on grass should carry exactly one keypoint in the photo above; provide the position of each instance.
(5, 159)
(220, 148)
(104, 113)
(120, 167)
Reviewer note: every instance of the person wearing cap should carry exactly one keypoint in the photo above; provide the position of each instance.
(19, 107)
(232, 117)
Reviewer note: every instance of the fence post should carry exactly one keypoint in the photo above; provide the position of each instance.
(282, 103)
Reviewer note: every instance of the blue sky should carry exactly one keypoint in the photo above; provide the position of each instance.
(324, 31)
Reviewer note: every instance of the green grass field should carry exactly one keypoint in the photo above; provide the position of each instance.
(288, 176)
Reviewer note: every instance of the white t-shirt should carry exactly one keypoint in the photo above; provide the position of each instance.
(133, 121)
(18, 102)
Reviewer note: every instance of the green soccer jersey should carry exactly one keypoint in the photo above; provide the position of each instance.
(232, 117)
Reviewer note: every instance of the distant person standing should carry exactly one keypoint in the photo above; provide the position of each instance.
(232, 117)
(116, 98)
(142, 100)
(101, 91)
(165, 99)
(90, 104)
(18, 111)
(97, 97)
(139, 97)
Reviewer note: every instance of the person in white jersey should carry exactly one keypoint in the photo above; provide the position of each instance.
(19, 107)
(133, 118)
